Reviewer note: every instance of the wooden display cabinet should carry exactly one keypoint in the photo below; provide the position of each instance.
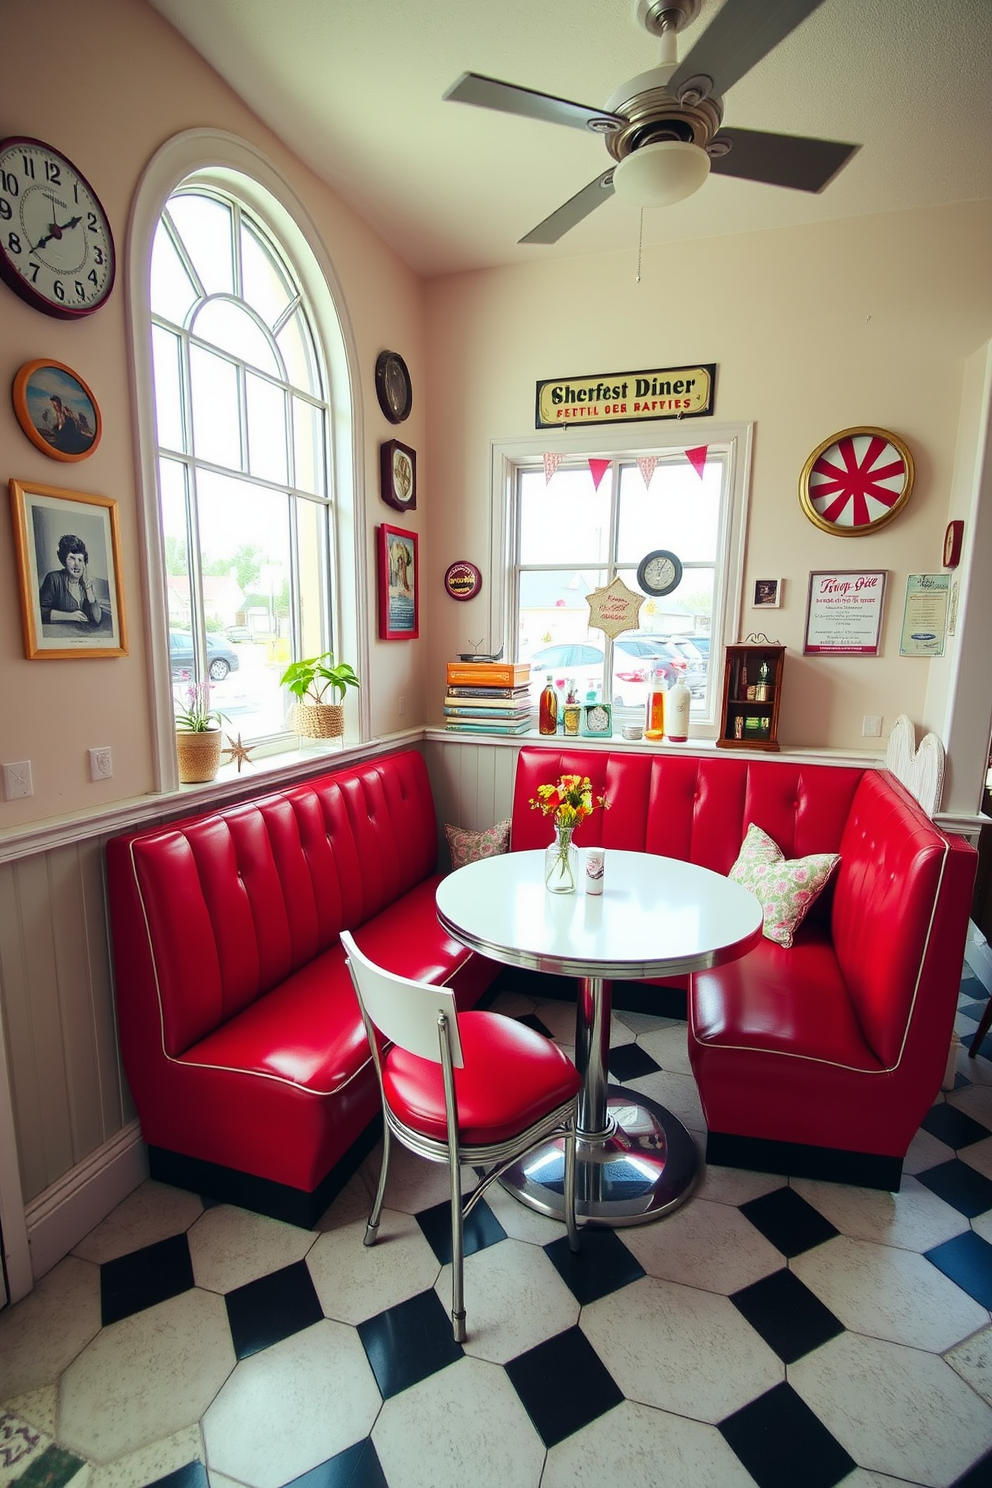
(749, 713)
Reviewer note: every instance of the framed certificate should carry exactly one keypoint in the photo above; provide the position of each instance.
(844, 613)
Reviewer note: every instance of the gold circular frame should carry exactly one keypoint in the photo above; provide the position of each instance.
(859, 509)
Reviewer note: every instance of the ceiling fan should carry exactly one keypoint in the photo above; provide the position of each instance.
(664, 127)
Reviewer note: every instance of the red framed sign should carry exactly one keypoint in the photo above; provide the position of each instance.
(844, 613)
(399, 584)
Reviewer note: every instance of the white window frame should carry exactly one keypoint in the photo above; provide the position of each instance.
(221, 160)
(633, 441)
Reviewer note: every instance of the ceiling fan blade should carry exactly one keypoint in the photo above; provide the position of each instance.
(738, 36)
(507, 98)
(781, 159)
(572, 213)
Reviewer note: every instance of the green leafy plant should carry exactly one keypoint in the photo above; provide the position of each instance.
(195, 715)
(311, 680)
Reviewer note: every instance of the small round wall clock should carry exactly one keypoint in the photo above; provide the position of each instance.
(659, 572)
(398, 475)
(857, 481)
(56, 246)
(462, 580)
(393, 387)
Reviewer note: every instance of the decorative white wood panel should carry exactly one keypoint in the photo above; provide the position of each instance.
(472, 784)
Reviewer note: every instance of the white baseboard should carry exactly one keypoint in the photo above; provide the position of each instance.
(978, 955)
(59, 1218)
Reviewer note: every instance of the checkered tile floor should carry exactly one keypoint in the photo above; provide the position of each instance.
(777, 1332)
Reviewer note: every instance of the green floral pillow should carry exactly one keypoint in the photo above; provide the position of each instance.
(785, 888)
(467, 846)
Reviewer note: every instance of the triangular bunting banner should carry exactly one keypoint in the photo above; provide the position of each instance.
(598, 469)
(551, 463)
(697, 458)
(647, 466)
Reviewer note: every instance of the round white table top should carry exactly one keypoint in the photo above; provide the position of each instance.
(656, 916)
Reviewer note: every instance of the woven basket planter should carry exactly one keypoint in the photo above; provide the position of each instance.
(320, 720)
(198, 755)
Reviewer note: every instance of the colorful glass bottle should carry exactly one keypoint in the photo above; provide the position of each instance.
(547, 713)
(654, 713)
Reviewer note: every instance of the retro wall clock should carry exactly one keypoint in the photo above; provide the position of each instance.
(393, 387)
(56, 246)
(856, 481)
(398, 475)
(953, 538)
(659, 572)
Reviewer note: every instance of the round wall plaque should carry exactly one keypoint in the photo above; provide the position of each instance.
(462, 580)
(856, 482)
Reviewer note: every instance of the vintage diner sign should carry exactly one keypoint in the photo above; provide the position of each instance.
(626, 397)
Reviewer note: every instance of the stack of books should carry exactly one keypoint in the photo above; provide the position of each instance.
(488, 697)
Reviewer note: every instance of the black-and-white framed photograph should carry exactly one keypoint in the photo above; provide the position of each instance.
(69, 571)
(767, 594)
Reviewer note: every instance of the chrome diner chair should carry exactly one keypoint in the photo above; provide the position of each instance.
(476, 1088)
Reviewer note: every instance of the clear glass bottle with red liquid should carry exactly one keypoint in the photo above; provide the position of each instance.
(547, 712)
(654, 711)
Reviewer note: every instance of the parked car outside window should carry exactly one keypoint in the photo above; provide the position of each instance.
(220, 659)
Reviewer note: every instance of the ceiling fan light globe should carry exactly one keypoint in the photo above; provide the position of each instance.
(662, 173)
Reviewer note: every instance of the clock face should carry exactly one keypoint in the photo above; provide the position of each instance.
(56, 246)
(392, 386)
(659, 572)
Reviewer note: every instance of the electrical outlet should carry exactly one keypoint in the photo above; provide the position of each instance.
(101, 764)
(17, 780)
(871, 726)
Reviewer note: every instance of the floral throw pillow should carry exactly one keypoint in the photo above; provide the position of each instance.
(467, 846)
(785, 888)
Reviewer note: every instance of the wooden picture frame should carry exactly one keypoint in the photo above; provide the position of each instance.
(53, 530)
(56, 410)
(767, 594)
(397, 567)
(398, 475)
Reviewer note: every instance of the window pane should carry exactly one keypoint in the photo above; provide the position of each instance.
(312, 589)
(264, 285)
(564, 520)
(297, 351)
(204, 225)
(678, 511)
(225, 324)
(308, 447)
(216, 414)
(266, 430)
(173, 293)
(168, 394)
(172, 489)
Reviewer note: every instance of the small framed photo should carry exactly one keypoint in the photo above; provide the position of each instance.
(69, 570)
(56, 410)
(767, 594)
(399, 584)
(398, 475)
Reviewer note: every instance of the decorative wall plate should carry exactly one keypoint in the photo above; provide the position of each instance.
(398, 475)
(56, 410)
(462, 580)
(856, 481)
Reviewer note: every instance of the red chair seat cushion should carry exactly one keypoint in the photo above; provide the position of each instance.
(512, 1077)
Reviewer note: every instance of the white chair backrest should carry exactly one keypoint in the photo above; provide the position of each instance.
(404, 1012)
(920, 769)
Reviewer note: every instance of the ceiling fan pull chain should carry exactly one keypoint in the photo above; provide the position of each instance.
(640, 245)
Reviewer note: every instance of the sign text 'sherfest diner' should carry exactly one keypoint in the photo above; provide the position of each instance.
(626, 397)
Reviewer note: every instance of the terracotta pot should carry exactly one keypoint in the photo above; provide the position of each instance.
(198, 755)
(320, 720)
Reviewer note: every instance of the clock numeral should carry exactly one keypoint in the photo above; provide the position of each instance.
(80, 290)
(6, 210)
(9, 182)
(58, 290)
(98, 255)
(27, 166)
(53, 173)
(91, 276)
(13, 242)
(91, 222)
(33, 269)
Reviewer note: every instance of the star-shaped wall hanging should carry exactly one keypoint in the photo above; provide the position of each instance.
(614, 609)
(239, 752)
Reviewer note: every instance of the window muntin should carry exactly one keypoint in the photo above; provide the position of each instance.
(243, 435)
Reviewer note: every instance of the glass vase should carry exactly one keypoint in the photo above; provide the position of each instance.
(561, 863)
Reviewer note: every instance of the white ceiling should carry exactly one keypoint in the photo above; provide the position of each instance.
(355, 88)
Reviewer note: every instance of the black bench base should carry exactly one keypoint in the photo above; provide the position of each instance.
(796, 1160)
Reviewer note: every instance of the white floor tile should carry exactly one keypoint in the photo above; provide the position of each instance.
(735, 1185)
(706, 1245)
(668, 1047)
(153, 1212)
(677, 1093)
(972, 1360)
(978, 1156)
(230, 1247)
(514, 1300)
(355, 1281)
(926, 1151)
(42, 1334)
(151, 1463)
(520, 1221)
(634, 1445)
(913, 1219)
(975, 1101)
(559, 1019)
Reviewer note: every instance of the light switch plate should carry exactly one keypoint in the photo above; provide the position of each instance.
(17, 780)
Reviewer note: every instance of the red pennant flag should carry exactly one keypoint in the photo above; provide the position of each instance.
(551, 463)
(647, 465)
(697, 459)
(598, 469)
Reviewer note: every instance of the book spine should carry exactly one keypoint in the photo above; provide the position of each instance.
(491, 705)
(498, 715)
(496, 676)
(489, 692)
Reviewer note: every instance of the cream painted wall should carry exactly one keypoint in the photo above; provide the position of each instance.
(813, 330)
(125, 84)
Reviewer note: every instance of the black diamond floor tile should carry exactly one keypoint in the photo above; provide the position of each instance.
(357, 1467)
(978, 1476)
(409, 1342)
(788, 1222)
(630, 1062)
(601, 1265)
(563, 1385)
(263, 1312)
(984, 1050)
(193, 1475)
(531, 1020)
(967, 1191)
(783, 1444)
(973, 1010)
(481, 1229)
(789, 1317)
(952, 1126)
(967, 1260)
(144, 1277)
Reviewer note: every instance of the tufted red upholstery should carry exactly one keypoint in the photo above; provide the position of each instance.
(840, 1042)
(240, 1031)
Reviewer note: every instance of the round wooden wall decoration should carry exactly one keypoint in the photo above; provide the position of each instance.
(462, 580)
(56, 410)
(856, 481)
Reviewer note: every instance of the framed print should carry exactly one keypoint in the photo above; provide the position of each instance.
(56, 410)
(924, 616)
(69, 570)
(856, 481)
(767, 594)
(844, 613)
(399, 584)
(398, 475)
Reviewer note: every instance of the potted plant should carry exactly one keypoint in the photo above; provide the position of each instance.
(198, 735)
(310, 681)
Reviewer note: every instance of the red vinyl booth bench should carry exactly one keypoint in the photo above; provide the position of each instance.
(240, 1031)
(822, 1059)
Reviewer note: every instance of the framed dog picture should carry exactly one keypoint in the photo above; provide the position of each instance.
(399, 597)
